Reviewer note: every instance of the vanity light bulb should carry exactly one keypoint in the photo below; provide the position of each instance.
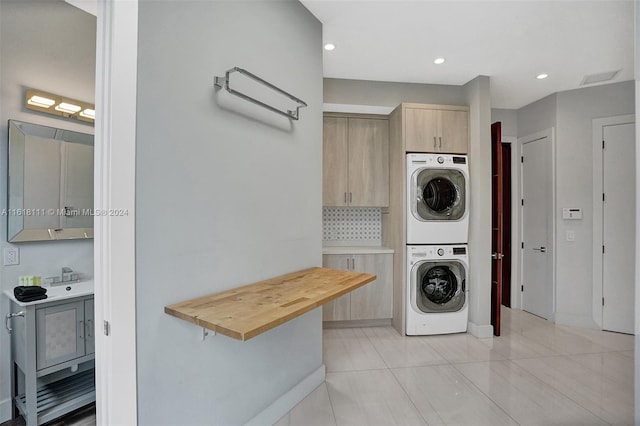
(66, 107)
(88, 113)
(329, 46)
(41, 101)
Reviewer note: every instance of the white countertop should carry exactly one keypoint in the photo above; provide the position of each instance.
(356, 250)
(60, 292)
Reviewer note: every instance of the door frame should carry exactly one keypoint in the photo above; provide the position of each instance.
(515, 220)
(551, 237)
(598, 125)
(114, 188)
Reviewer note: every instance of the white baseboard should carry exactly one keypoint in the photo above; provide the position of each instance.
(290, 399)
(5, 410)
(480, 331)
(585, 321)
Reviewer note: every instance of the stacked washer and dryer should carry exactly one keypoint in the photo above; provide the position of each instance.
(437, 236)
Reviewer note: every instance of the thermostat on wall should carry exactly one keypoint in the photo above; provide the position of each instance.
(571, 213)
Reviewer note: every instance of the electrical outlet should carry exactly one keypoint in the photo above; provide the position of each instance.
(11, 256)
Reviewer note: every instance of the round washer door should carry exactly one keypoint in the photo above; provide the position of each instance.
(440, 286)
(440, 195)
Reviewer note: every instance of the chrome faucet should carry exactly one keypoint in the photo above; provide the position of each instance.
(67, 276)
(66, 273)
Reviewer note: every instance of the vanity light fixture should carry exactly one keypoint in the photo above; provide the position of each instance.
(59, 105)
(88, 113)
(329, 46)
(542, 76)
(40, 101)
(439, 61)
(67, 107)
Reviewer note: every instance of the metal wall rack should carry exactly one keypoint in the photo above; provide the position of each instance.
(223, 82)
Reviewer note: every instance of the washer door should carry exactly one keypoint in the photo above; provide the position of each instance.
(439, 286)
(439, 195)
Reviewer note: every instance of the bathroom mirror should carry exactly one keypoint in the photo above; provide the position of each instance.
(50, 183)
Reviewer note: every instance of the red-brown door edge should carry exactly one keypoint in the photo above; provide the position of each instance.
(496, 225)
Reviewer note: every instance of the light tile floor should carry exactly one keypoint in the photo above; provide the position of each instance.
(536, 373)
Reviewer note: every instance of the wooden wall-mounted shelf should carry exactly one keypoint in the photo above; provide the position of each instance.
(245, 312)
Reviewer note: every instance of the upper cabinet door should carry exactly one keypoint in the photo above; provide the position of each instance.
(421, 129)
(368, 162)
(436, 129)
(454, 132)
(335, 161)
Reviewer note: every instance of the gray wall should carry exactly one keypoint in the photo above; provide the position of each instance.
(574, 176)
(571, 114)
(227, 193)
(47, 45)
(538, 116)
(509, 120)
(380, 93)
(478, 95)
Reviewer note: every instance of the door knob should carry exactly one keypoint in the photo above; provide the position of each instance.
(541, 249)
(497, 256)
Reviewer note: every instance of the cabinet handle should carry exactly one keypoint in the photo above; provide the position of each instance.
(81, 327)
(350, 197)
(345, 198)
(347, 263)
(440, 141)
(434, 141)
(89, 327)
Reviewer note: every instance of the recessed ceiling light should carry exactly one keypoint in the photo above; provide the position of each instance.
(542, 76)
(329, 46)
(439, 61)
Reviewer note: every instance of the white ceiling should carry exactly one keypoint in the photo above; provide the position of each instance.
(511, 41)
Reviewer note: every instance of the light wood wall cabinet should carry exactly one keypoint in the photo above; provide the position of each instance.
(355, 162)
(436, 128)
(370, 302)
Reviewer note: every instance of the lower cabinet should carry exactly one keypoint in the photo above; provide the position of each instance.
(52, 358)
(373, 300)
(64, 332)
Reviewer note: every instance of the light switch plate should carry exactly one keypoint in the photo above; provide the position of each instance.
(11, 256)
(571, 235)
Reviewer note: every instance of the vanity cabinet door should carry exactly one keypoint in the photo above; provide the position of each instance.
(60, 334)
(89, 338)
(338, 309)
(373, 300)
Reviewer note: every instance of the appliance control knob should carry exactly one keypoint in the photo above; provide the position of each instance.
(440, 252)
(440, 160)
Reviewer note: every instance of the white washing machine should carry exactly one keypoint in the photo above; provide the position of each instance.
(437, 199)
(437, 296)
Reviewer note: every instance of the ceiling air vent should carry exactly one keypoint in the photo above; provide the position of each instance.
(599, 78)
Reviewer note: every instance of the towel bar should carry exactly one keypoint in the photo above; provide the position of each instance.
(223, 82)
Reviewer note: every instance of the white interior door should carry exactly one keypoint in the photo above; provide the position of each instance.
(537, 291)
(618, 228)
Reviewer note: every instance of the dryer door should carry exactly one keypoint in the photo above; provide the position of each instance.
(440, 286)
(439, 194)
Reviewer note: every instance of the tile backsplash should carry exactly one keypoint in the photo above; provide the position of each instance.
(351, 226)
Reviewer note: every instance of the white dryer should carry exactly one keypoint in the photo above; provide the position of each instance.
(436, 290)
(437, 199)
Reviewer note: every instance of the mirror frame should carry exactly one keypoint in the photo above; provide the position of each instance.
(18, 130)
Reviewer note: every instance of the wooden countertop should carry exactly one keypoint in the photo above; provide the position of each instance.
(245, 312)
